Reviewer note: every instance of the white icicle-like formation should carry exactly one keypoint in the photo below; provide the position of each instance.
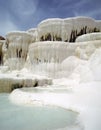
(17, 44)
(34, 32)
(49, 51)
(66, 29)
(51, 42)
(53, 57)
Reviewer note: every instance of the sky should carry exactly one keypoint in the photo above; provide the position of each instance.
(22, 15)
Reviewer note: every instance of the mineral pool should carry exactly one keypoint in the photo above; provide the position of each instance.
(16, 117)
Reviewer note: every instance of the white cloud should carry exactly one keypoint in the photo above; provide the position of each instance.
(19, 11)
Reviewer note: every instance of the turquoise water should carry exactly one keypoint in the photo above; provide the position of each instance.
(13, 117)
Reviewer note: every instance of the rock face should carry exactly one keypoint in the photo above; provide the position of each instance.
(1, 55)
(2, 42)
(8, 84)
(2, 38)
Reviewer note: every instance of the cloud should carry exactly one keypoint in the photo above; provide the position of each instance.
(17, 14)
(22, 12)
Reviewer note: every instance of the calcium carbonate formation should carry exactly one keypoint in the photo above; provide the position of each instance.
(46, 47)
(63, 58)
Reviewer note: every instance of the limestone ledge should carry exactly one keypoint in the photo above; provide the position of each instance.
(8, 83)
(89, 37)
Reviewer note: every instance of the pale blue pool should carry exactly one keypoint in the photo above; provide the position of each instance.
(13, 117)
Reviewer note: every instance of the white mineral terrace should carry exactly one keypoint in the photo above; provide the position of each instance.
(17, 49)
(66, 29)
(89, 37)
(57, 63)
